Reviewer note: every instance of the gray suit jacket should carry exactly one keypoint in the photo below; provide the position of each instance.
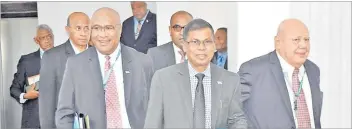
(82, 90)
(147, 36)
(163, 55)
(170, 104)
(28, 65)
(265, 97)
(51, 73)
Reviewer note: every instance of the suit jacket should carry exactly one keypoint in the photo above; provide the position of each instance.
(147, 36)
(265, 97)
(28, 65)
(215, 59)
(163, 55)
(82, 90)
(170, 104)
(52, 71)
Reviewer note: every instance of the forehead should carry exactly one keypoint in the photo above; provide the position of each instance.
(201, 34)
(220, 33)
(296, 30)
(42, 32)
(79, 19)
(181, 19)
(104, 20)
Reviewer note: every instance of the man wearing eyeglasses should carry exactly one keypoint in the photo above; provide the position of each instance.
(54, 63)
(139, 30)
(281, 89)
(172, 53)
(196, 93)
(24, 86)
(108, 82)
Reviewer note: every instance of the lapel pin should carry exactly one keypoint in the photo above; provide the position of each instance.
(147, 21)
(127, 71)
(220, 82)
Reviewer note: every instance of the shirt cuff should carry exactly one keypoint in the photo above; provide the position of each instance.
(22, 100)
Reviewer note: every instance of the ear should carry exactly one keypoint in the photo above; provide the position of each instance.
(67, 28)
(170, 30)
(36, 40)
(277, 42)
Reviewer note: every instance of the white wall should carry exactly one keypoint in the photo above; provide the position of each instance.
(16, 40)
(55, 14)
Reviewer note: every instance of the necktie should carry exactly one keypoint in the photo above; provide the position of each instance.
(199, 104)
(139, 27)
(113, 116)
(182, 56)
(220, 60)
(302, 113)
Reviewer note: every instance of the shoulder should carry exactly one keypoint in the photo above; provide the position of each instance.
(159, 49)
(256, 63)
(54, 51)
(128, 20)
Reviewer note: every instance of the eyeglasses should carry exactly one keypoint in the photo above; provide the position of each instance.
(49, 36)
(85, 29)
(196, 43)
(178, 28)
(107, 28)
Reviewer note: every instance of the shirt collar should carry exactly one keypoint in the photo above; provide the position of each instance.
(287, 68)
(113, 55)
(76, 49)
(222, 53)
(143, 17)
(176, 49)
(41, 52)
(193, 72)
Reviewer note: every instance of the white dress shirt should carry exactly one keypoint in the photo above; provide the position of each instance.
(288, 71)
(178, 56)
(119, 81)
(207, 91)
(75, 49)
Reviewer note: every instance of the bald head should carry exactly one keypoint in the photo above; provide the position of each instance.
(107, 14)
(290, 25)
(292, 42)
(106, 30)
(76, 16)
(183, 14)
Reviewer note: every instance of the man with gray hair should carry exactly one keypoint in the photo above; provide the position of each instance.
(139, 30)
(54, 63)
(24, 88)
(196, 93)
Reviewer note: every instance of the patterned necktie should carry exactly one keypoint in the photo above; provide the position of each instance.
(113, 116)
(182, 56)
(139, 27)
(302, 113)
(199, 104)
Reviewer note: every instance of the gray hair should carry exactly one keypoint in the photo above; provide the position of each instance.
(197, 24)
(45, 27)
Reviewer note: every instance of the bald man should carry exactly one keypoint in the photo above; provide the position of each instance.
(53, 66)
(171, 53)
(108, 82)
(282, 88)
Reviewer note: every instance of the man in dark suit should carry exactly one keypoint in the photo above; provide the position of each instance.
(281, 89)
(220, 56)
(54, 63)
(172, 53)
(139, 31)
(108, 82)
(28, 67)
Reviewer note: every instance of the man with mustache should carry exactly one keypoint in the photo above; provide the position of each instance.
(54, 63)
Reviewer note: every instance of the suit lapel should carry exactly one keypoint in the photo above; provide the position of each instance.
(216, 86)
(280, 81)
(185, 91)
(69, 49)
(146, 23)
(315, 91)
(170, 54)
(127, 70)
